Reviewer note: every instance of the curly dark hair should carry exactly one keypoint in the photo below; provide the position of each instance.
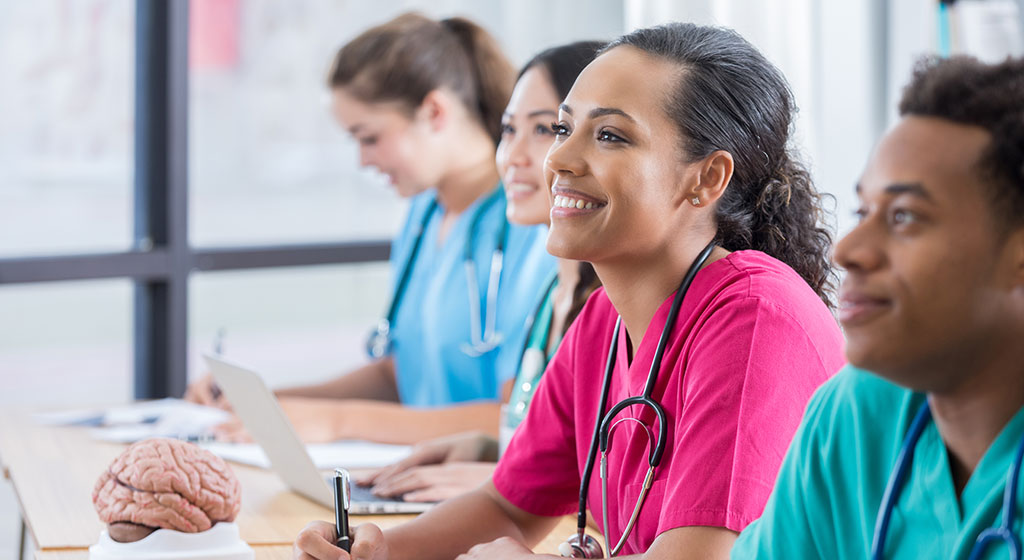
(729, 97)
(967, 91)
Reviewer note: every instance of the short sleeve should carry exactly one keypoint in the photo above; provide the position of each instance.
(784, 529)
(750, 370)
(538, 473)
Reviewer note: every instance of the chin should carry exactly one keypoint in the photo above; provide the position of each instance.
(563, 249)
(524, 215)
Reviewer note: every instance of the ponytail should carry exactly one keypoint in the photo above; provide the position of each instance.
(406, 58)
(782, 217)
(493, 74)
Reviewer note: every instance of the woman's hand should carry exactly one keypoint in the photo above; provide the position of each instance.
(316, 542)
(435, 483)
(465, 447)
(205, 392)
(505, 548)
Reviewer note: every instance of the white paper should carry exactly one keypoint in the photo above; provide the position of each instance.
(351, 454)
(129, 423)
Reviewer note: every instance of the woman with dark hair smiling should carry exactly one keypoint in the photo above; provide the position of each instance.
(687, 374)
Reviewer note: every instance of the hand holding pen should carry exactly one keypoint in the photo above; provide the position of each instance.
(342, 501)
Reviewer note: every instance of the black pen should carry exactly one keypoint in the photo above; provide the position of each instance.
(342, 499)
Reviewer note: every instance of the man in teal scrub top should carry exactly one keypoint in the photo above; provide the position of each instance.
(933, 309)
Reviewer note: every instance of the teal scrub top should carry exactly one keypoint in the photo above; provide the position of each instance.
(831, 483)
(432, 321)
(535, 359)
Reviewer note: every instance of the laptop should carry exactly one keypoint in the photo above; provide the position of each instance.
(257, 408)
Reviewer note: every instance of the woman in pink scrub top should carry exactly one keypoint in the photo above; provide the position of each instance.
(674, 137)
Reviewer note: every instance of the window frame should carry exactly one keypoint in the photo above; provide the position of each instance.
(161, 259)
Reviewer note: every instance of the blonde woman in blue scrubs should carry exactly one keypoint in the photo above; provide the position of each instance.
(933, 308)
(424, 99)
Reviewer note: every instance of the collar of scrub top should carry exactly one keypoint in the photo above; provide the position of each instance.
(535, 321)
(582, 542)
(379, 342)
(1004, 532)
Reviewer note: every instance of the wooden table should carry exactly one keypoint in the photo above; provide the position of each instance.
(263, 552)
(53, 471)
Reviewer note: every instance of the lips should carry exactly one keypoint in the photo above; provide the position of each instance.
(858, 307)
(517, 189)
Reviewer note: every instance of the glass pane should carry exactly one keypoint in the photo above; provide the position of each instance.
(268, 163)
(294, 326)
(66, 343)
(66, 126)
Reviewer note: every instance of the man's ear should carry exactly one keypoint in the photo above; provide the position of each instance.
(711, 177)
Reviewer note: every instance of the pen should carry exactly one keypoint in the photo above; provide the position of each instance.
(342, 498)
(218, 351)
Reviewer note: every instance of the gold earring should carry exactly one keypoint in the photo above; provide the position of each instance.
(695, 201)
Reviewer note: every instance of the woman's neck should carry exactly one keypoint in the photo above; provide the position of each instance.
(473, 174)
(638, 286)
(562, 300)
(971, 415)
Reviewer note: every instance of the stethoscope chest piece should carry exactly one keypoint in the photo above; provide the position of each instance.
(578, 546)
(379, 342)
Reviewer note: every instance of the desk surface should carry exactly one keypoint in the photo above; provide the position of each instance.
(264, 552)
(53, 470)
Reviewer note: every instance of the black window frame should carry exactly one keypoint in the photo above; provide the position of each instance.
(161, 259)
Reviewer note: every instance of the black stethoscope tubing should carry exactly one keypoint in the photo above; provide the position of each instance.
(601, 427)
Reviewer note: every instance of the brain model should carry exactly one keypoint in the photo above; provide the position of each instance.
(165, 483)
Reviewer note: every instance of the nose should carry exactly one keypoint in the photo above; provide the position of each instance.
(366, 158)
(565, 158)
(862, 249)
(516, 151)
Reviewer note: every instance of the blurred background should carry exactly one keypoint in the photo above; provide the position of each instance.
(260, 235)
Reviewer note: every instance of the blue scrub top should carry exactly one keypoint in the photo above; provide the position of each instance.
(433, 322)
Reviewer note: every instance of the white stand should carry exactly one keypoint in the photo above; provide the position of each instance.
(220, 542)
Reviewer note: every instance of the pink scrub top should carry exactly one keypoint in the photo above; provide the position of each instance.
(751, 344)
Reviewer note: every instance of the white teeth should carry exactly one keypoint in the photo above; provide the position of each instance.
(520, 187)
(567, 202)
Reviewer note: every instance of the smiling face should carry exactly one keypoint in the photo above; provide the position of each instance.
(526, 136)
(930, 283)
(390, 141)
(616, 171)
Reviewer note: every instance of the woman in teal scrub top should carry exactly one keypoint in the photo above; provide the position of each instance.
(933, 308)
(446, 467)
(423, 99)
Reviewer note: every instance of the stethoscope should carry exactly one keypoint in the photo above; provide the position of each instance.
(483, 334)
(582, 545)
(1004, 532)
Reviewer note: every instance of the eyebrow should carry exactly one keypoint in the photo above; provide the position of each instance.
(599, 112)
(532, 114)
(896, 189)
(354, 129)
